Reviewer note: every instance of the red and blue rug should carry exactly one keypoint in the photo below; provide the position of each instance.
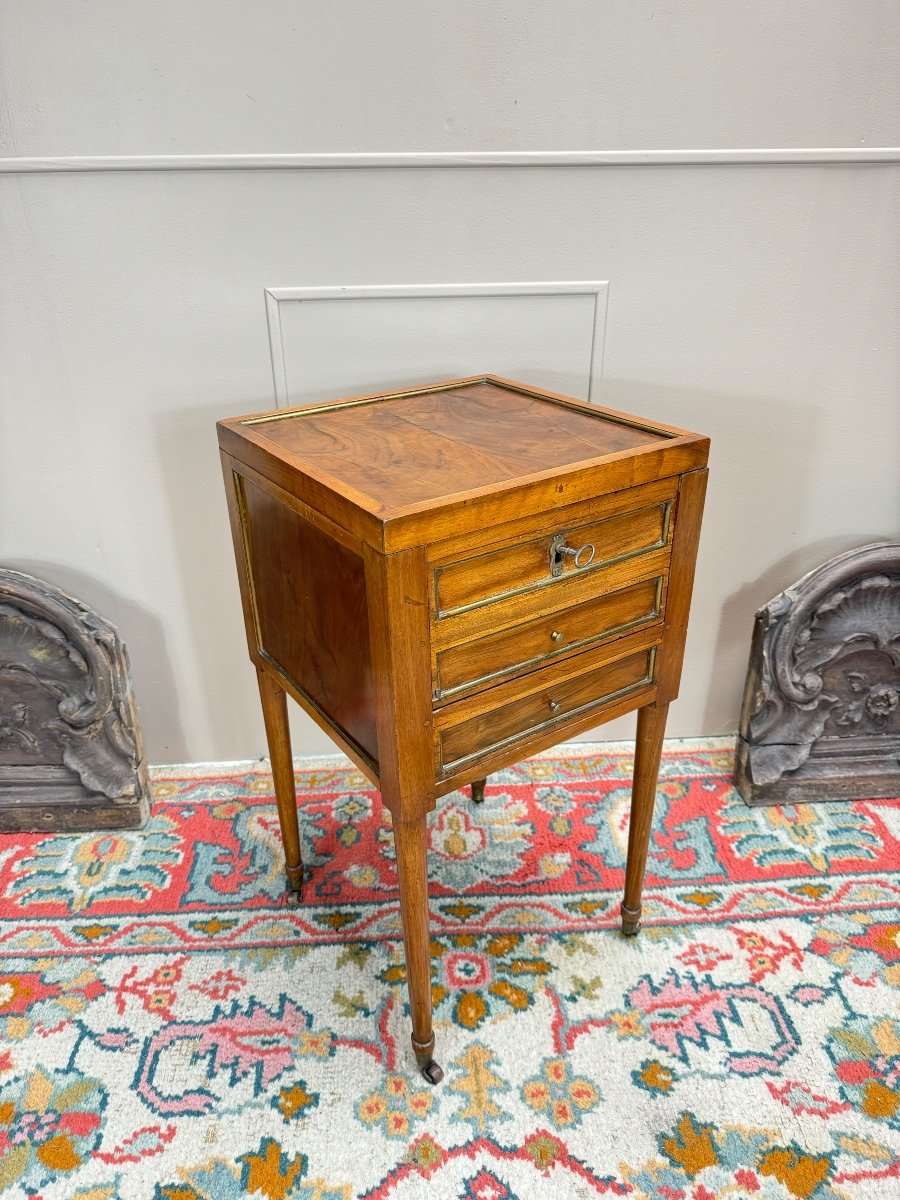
(172, 1030)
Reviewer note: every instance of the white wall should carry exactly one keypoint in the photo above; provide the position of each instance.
(757, 303)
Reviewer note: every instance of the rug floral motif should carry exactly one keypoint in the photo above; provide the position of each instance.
(173, 1030)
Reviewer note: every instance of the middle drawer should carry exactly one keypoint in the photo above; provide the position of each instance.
(474, 664)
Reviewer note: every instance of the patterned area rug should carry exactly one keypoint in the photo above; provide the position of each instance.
(173, 1030)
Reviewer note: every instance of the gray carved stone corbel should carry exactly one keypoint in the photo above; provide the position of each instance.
(71, 755)
(821, 712)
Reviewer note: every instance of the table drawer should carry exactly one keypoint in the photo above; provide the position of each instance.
(549, 559)
(485, 660)
(555, 698)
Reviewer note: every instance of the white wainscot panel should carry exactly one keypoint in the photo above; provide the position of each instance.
(336, 342)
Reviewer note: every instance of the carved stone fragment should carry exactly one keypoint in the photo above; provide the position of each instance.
(71, 755)
(821, 712)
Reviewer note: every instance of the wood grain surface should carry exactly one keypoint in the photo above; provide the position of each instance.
(425, 447)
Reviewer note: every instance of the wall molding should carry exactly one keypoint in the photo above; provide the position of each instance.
(275, 297)
(805, 156)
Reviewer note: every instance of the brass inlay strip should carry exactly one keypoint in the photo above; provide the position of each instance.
(332, 406)
(246, 538)
(602, 414)
(667, 520)
(660, 581)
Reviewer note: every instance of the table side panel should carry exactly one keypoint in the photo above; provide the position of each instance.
(309, 599)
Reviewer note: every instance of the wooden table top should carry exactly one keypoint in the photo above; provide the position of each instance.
(392, 454)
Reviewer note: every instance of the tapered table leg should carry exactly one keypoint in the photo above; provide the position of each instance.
(478, 790)
(274, 706)
(410, 838)
(651, 726)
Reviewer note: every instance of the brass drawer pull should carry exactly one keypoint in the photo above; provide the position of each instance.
(559, 551)
(556, 636)
(555, 705)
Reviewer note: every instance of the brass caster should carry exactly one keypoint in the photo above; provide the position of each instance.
(478, 791)
(294, 880)
(432, 1072)
(425, 1062)
(631, 921)
(294, 889)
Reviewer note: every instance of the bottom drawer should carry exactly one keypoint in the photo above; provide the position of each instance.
(550, 703)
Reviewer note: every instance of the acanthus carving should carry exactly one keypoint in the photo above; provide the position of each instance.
(14, 728)
(875, 700)
(825, 665)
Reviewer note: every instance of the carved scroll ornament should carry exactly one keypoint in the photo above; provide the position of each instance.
(821, 712)
(70, 746)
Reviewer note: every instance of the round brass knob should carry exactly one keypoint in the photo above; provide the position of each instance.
(556, 636)
(555, 705)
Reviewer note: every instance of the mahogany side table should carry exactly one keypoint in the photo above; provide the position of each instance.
(450, 578)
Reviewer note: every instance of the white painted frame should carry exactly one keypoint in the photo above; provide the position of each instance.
(275, 297)
(801, 156)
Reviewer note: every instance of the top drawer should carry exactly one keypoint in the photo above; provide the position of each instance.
(540, 561)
